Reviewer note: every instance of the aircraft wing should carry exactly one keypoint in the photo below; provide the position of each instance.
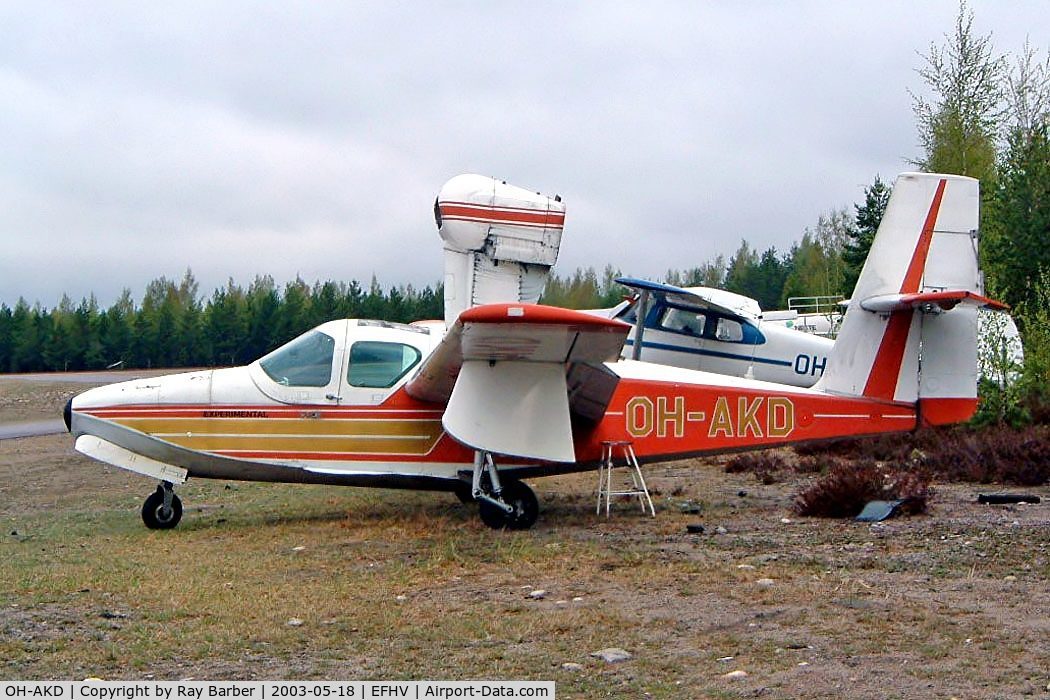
(699, 298)
(513, 375)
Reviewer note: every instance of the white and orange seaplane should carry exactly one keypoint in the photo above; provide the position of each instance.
(506, 390)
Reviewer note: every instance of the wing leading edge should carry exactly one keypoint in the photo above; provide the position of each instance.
(513, 376)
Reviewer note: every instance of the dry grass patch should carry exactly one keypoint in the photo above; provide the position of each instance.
(392, 584)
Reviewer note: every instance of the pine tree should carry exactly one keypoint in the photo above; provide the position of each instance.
(862, 232)
(1016, 247)
(741, 277)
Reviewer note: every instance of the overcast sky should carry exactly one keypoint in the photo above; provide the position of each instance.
(141, 139)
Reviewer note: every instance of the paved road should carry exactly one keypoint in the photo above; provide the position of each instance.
(32, 428)
(54, 426)
(83, 377)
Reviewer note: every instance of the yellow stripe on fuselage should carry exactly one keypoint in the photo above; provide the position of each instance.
(366, 436)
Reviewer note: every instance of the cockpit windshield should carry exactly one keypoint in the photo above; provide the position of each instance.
(305, 361)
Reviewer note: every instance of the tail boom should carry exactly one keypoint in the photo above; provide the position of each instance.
(693, 413)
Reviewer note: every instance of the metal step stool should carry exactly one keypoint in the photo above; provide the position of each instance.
(605, 477)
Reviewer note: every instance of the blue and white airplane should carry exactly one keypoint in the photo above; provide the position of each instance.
(717, 331)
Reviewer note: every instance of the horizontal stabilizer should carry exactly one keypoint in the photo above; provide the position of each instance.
(944, 301)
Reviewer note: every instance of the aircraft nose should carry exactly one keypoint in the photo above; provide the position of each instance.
(67, 415)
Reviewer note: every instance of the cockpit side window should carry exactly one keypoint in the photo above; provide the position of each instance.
(305, 361)
(729, 331)
(379, 365)
(683, 321)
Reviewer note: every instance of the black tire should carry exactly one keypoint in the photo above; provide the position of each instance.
(526, 508)
(463, 493)
(154, 515)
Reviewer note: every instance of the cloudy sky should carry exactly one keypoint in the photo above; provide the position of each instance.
(141, 139)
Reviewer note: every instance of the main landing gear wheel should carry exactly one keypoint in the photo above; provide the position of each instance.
(163, 509)
(464, 495)
(521, 498)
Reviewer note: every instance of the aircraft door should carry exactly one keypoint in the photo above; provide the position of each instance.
(375, 368)
(306, 369)
(727, 351)
(675, 336)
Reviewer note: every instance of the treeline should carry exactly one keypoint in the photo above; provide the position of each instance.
(983, 115)
(173, 327)
(826, 262)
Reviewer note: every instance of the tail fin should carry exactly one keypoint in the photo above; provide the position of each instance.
(910, 333)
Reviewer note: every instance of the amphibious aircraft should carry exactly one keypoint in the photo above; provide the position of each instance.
(540, 389)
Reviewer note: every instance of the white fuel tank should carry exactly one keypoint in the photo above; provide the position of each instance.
(500, 241)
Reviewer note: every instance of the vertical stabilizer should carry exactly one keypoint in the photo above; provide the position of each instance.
(910, 331)
(500, 241)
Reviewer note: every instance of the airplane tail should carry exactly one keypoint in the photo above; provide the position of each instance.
(910, 332)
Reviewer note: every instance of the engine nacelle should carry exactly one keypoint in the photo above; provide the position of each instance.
(500, 241)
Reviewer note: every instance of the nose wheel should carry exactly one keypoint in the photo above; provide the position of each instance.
(162, 509)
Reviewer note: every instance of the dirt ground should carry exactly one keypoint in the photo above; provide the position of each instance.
(273, 581)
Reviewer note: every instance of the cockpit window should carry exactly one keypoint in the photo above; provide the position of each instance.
(305, 361)
(379, 365)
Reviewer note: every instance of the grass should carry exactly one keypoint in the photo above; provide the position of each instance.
(406, 585)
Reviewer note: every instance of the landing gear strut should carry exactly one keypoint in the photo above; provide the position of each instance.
(163, 509)
(511, 505)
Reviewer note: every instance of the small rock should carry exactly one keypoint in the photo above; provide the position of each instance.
(298, 549)
(294, 622)
(561, 602)
(1011, 577)
(538, 594)
(401, 598)
(690, 507)
(577, 599)
(612, 655)
(764, 582)
(113, 615)
(742, 493)
(745, 567)
(695, 529)
(721, 530)
(785, 521)
(571, 666)
(725, 659)
(803, 663)
(735, 675)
